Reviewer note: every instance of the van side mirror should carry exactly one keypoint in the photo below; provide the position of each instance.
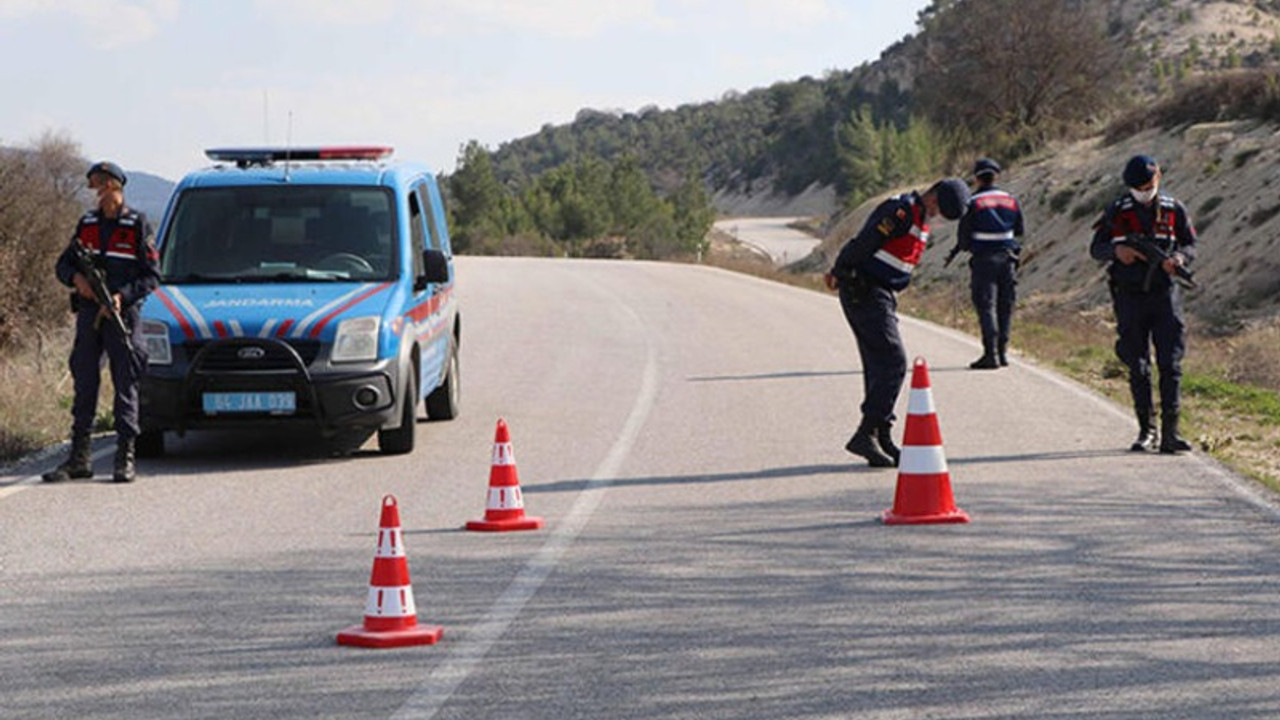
(435, 267)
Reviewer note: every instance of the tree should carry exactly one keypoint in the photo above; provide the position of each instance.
(43, 186)
(1010, 74)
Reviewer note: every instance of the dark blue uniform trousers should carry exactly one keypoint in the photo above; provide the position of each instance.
(993, 283)
(1144, 319)
(86, 364)
(872, 312)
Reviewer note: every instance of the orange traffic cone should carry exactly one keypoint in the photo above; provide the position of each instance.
(504, 509)
(390, 617)
(924, 485)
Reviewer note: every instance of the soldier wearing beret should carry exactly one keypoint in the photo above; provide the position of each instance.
(991, 232)
(1148, 305)
(117, 239)
(869, 271)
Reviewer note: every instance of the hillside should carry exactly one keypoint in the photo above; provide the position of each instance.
(1223, 172)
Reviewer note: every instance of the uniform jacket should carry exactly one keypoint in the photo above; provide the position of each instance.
(129, 255)
(1165, 221)
(993, 222)
(888, 247)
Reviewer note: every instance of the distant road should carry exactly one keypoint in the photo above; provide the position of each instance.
(772, 236)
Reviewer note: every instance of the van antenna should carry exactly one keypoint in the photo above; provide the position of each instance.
(288, 146)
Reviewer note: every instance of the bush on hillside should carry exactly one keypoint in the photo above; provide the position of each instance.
(1233, 95)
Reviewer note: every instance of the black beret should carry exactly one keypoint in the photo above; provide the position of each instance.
(1140, 170)
(953, 197)
(986, 166)
(107, 168)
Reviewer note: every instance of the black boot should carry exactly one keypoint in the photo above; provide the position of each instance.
(124, 471)
(1170, 441)
(884, 436)
(77, 466)
(988, 361)
(864, 443)
(1002, 354)
(1146, 441)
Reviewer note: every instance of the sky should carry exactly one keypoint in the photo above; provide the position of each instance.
(150, 83)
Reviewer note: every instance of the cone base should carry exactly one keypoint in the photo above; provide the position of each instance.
(955, 516)
(520, 523)
(418, 635)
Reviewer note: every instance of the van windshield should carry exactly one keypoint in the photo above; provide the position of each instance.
(289, 233)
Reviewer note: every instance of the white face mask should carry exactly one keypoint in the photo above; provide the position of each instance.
(1144, 196)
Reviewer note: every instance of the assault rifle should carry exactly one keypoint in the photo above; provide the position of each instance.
(951, 255)
(1155, 262)
(88, 266)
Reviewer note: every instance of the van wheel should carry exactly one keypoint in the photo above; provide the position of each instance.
(443, 402)
(400, 440)
(149, 444)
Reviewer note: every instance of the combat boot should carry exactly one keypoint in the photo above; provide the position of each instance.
(125, 471)
(988, 361)
(863, 443)
(884, 436)
(77, 466)
(1146, 441)
(1170, 441)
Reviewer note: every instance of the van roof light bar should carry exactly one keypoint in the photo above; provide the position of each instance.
(262, 156)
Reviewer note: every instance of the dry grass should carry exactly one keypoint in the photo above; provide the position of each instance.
(35, 397)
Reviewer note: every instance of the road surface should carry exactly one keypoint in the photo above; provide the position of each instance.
(710, 550)
(771, 236)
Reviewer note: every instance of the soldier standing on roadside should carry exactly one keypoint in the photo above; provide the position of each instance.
(119, 241)
(990, 231)
(1148, 306)
(869, 271)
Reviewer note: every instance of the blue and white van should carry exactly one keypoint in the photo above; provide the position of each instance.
(303, 285)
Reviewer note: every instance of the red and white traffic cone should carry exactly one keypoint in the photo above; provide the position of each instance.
(924, 484)
(504, 509)
(390, 616)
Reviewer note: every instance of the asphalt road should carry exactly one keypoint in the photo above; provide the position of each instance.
(710, 550)
(772, 236)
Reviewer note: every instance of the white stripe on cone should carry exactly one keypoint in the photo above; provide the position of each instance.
(390, 543)
(922, 460)
(503, 455)
(506, 497)
(388, 602)
(920, 402)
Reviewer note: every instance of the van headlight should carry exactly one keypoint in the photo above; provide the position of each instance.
(357, 340)
(155, 341)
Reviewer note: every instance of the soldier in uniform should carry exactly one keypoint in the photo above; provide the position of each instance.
(990, 231)
(869, 271)
(118, 239)
(1148, 306)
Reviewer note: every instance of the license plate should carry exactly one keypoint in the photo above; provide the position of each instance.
(273, 403)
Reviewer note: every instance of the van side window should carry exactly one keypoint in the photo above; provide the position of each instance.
(424, 200)
(417, 235)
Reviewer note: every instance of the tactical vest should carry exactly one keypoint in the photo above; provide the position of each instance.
(995, 214)
(894, 262)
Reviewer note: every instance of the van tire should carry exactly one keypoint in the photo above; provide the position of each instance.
(443, 402)
(149, 444)
(400, 440)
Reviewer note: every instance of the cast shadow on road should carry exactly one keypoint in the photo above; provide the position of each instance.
(800, 374)
(701, 478)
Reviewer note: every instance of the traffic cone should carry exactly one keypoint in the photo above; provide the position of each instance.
(924, 485)
(390, 617)
(504, 509)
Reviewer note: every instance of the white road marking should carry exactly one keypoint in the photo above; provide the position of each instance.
(463, 658)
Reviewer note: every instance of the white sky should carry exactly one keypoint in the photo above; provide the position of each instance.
(151, 83)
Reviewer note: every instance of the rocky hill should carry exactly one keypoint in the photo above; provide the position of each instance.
(1225, 173)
